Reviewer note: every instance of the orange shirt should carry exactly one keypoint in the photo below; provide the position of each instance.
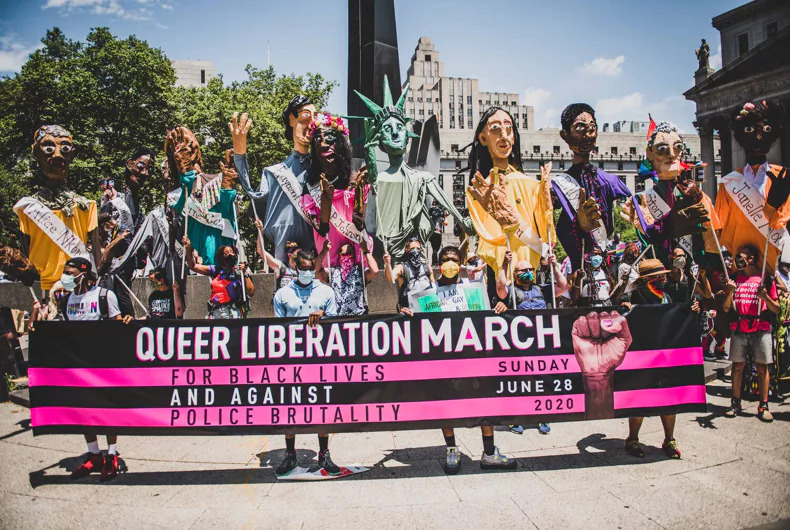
(737, 230)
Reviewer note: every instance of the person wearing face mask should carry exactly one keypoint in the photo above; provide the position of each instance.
(284, 271)
(677, 284)
(164, 301)
(651, 290)
(87, 302)
(227, 295)
(51, 309)
(450, 267)
(593, 284)
(475, 268)
(348, 279)
(411, 276)
(755, 300)
(306, 297)
(529, 295)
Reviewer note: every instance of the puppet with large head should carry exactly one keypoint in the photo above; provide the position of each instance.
(53, 149)
(297, 117)
(388, 127)
(579, 130)
(756, 126)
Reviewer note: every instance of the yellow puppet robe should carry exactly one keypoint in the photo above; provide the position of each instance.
(45, 254)
(533, 206)
(737, 230)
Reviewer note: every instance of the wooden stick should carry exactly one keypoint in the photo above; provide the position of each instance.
(260, 234)
(765, 258)
(186, 224)
(35, 296)
(721, 257)
(551, 271)
(132, 295)
(510, 270)
(243, 276)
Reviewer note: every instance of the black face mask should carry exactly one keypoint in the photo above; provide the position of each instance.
(414, 255)
(230, 261)
(740, 263)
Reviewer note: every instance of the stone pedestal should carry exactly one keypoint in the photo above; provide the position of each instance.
(702, 74)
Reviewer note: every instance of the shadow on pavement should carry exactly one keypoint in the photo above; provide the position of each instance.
(606, 452)
(25, 424)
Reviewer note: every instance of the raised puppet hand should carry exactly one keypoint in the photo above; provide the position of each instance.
(689, 188)
(239, 128)
(229, 175)
(493, 199)
(589, 214)
(600, 341)
(360, 205)
(780, 189)
(327, 194)
(688, 220)
(184, 149)
(545, 186)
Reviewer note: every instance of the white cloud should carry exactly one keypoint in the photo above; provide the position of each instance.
(14, 54)
(633, 107)
(535, 96)
(166, 6)
(101, 7)
(715, 60)
(603, 66)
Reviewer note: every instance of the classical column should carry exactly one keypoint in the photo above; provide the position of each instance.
(707, 155)
(725, 137)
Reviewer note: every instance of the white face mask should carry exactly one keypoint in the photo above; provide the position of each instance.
(306, 277)
(69, 282)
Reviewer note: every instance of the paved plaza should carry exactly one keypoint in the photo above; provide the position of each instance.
(735, 473)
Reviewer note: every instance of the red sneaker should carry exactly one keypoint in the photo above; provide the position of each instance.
(110, 469)
(93, 462)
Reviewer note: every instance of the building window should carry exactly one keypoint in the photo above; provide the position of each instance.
(595, 151)
(562, 164)
(202, 77)
(743, 43)
(457, 164)
(411, 98)
(451, 105)
(452, 123)
(524, 119)
(441, 180)
(469, 124)
(460, 99)
(614, 151)
(770, 29)
(488, 102)
(419, 99)
(429, 99)
(622, 179)
(632, 150)
(427, 58)
(468, 100)
(556, 149)
(536, 149)
(469, 112)
(600, 165)
(620, 168)
(422, 112)
(453, 148)
(639, 186)
(513, 103)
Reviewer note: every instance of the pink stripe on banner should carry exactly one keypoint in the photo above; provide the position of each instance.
(418, 370)
(659, 397)
(299, 414)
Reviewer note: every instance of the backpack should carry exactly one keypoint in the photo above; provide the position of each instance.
(104, 310)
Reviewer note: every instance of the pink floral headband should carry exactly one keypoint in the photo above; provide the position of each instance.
(324, 119)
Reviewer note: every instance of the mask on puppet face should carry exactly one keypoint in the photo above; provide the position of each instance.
(498, 136)
(664, 154)
(301, 125)
(756, 126)
(54, 150)
(394, 136)
(139, 171)
(583, 134)
(596, 261)
(450, 269)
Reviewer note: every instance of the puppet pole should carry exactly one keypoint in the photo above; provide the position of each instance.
(35, 298)
(721, 257)
(238, 242)
(186, 224)
(765, 258)
(132, 295)
(551, 272)
(260, 235)
(510, 270)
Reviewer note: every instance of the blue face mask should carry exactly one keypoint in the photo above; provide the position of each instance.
(69, 282)
(596, 261)
(306, 277)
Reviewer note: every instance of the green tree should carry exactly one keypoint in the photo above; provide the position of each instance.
(113, 95)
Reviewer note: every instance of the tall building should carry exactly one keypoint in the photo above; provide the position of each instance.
(458, 103)
(193, 73)
(755, 57)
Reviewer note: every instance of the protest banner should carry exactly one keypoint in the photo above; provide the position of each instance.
(448, 298)
(379, 372)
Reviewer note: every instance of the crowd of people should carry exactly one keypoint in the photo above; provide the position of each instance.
(328, 245)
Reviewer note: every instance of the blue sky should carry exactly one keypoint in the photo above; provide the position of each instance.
(625, 57)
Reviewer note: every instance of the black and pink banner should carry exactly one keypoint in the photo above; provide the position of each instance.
(371, 373)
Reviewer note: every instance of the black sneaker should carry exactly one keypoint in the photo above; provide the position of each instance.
(325, 463)
(287, 465)
(633, 448)
(734, 408)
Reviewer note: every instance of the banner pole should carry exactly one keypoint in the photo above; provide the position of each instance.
(260, 234)
(765, 258)
(551, 272)
(133, 295)
(238, 242)
(510, 270)
(721, 257)
(186, 225)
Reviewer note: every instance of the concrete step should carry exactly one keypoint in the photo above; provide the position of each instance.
(20, 397)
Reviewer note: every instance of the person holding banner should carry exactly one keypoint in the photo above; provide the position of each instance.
(755, 300)
(508, 208)
(585, 194)
(593, 284)
(281, 185)
(227, 292)
(306, 297)
(350, 277)
(56, 223)
(87, 301)
(450, 265)
(529, 295)
(752, 201)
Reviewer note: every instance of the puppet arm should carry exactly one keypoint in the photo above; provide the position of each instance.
(435, 191)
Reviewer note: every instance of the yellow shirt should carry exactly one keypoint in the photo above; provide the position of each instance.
(45, 254)
(524, 193)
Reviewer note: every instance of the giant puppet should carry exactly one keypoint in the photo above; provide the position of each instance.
(752, 202)
(56, 222)
(281, 186)
(676, 210)
(585, 193)
(207, 202)
(509, 210)
(402, 193)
